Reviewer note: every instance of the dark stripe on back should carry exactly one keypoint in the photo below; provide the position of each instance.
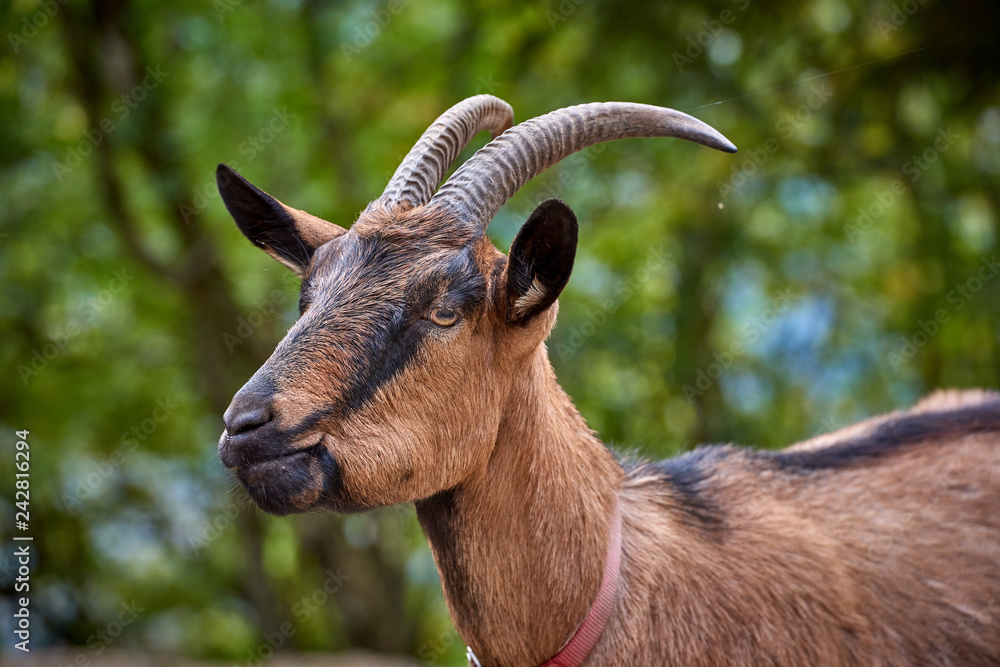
(688, 479)
(892, 437)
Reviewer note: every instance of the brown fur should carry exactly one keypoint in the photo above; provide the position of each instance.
(875, 545)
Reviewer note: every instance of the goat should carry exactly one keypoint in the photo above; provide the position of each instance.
(417, 372)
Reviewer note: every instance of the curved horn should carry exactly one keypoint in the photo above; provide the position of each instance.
(490, 177)
(423, 168)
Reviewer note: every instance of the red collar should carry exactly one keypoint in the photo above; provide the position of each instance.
(585, 638)
(579, 646)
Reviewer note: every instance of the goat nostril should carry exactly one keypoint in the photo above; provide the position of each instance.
(251, 408)
(248, 420)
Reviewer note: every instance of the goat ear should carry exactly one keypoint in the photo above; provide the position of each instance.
(285, 233)
(541, 260)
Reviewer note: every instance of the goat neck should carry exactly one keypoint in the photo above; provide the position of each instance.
(520, 545)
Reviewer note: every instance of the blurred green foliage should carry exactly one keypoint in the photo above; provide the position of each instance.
(837, 267)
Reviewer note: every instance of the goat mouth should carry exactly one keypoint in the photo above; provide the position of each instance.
(296, 480)
(305, 452)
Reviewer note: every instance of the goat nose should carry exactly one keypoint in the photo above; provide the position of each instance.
(246, 420)
(252, 407)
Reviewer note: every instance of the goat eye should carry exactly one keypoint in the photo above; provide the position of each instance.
(443, 317)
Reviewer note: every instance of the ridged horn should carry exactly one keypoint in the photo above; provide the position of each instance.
(424, 167)
(490, 177)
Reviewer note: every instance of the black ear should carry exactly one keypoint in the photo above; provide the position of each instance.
(541, 260)
(285, 233)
